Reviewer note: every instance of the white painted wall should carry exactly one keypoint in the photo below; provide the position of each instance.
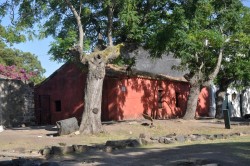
(235, 103)
(235, 109)
(212, 110)
(246, 102)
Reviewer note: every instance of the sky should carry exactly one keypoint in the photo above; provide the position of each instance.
(41, 47)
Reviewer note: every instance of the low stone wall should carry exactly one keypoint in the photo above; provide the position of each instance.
(16, 103)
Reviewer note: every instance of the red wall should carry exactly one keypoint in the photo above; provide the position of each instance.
(67, 86)
(203, 105)
(123, 98)
(128, 98)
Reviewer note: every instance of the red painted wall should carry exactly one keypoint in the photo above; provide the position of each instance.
(123, 98)
(203, 105)
(128, 98)
(67, 86)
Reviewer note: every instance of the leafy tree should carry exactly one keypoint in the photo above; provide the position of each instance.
(235, 70)
(99, 28)
(201, 33)
(21, 64)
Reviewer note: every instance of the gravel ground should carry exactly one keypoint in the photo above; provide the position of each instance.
(26, 142)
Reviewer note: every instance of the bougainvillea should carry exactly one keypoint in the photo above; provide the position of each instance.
(13, 72)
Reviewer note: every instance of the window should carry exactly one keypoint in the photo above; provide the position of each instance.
(160, 98)
(234, 96)
(58, 106)
(177, 100)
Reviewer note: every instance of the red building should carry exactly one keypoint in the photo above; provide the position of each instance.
(125, 97)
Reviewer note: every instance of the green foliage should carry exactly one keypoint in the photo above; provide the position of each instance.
(130, 18)
(22, 60)
(10, 35)
(133, 21)
(121, 61)
(192, 23)
(60, 46)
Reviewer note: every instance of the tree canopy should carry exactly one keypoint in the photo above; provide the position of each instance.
(132, 21)
(202, 34)
(21, 62)
(236, 67)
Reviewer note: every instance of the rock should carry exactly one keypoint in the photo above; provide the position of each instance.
(206, 136)
(80, 148)
(46, 151)
(108, 149)
(234, 134)
(116, 144)
(192, 137)
(180, 138)
(211, 137)
(133, 143)
(154, 138)
(161, 140)
(123, 143)
(146, 141)
(77, 133)
(201, 138)
(168, 140)
(219, 136)
(142, 135)
(62, 150)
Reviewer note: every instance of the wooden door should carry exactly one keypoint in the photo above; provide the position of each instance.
(45, 114)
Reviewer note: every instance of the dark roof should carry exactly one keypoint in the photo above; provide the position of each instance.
(163, 65)
(113, 71)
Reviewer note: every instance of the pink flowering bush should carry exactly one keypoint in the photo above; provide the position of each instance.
(13, 72)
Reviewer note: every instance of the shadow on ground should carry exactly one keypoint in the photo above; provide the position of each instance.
(47, 127)
(223, 154)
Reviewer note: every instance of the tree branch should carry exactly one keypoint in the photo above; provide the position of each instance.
(80, 29)
(110, 24)
(80, 8)
(109, 53)
(212, 76)
(217, 67)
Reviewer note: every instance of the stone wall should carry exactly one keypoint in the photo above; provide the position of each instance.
(16, 103)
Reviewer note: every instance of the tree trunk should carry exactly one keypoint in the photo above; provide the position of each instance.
(192, 102)
(91, 118)
(67, 126)
(219, 101)
(193, 94)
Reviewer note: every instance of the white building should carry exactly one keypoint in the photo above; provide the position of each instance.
(239, 101)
